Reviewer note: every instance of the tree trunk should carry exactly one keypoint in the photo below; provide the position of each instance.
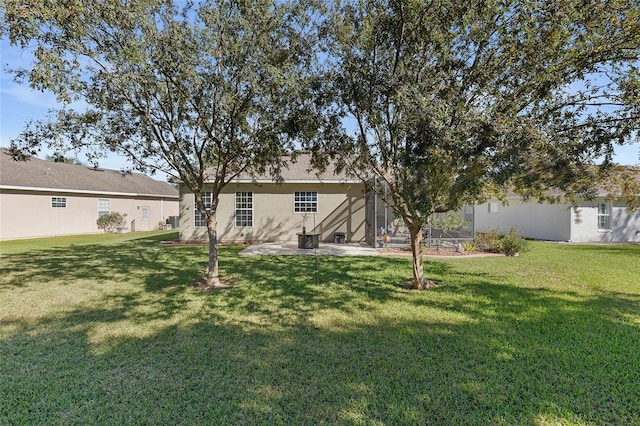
(419, 282)
(415, 232)
(213, 278)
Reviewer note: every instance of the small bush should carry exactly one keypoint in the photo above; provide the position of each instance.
(512, 243)
(508, 244)
(112, 221)
(469, 246)
(488, 241)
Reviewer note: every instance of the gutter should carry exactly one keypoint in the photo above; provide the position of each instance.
(83, 191)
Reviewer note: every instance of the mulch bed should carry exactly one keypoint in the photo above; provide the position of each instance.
(442, 253)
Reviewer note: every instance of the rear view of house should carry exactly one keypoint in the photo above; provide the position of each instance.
(42, 198)
(258, 209)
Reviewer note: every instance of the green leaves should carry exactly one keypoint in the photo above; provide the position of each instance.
(177, 87)
(453, 97)
(200, 91)
(455, 101)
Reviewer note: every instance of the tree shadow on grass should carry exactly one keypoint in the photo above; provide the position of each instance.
(154, 350)
(103, 263)
(545, 361)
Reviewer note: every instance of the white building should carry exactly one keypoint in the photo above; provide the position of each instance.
(597, 220)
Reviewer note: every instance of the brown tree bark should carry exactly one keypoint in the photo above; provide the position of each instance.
(419, 281)
(213, 277)
(415, 232)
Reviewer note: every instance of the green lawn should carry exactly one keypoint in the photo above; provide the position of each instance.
(110, 330)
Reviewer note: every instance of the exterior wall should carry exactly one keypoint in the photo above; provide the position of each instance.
(29, 214)
(533, 220)
(560, 222)
(341, 208)
(625, 225)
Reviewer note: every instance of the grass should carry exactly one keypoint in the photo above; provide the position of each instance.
(110, 330)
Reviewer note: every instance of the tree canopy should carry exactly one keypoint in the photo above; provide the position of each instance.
(450, 101)
(201, 92)
(453, 101)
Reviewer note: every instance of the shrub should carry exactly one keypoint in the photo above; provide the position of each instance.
(469, 246)
(112, 221)
(488, 241)
(508, 244)
(512, 243)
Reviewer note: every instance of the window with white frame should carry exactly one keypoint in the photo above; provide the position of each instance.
(604, 216)
(200, 221)
(58, 201)
(244, 209)
(305, 202)
(144, 213)
(493, 207)
(103, 207)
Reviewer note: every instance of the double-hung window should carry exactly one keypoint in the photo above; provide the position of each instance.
(604, 216)
(244, 209)
(305, 202)
(58, 201)
(199, 219)
(103, 207)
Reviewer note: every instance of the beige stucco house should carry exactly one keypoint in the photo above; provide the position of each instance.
(259, 209)
(41, 198)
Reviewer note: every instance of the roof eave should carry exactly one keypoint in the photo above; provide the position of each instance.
(81, 191)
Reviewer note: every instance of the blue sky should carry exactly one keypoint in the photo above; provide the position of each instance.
(19, 104)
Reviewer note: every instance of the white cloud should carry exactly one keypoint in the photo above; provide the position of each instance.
(12, 93)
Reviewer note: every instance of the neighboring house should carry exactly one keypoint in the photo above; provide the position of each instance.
(597, 220)
(41, 198)
(258, 209)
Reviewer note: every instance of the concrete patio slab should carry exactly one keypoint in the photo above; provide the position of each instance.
(291, 249)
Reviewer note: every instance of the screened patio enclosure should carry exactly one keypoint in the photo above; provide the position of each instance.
(384, 222)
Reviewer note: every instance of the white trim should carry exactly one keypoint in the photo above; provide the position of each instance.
(607, 216)
(107, 204)
(249, 194)
(142, 210)
(207, 206)
(60, 202)
(84, 191)
(315, 203)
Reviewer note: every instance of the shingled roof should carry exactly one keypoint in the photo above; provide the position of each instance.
(301, 171)
(42, 175)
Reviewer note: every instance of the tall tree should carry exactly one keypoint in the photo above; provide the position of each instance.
(452, 100)
(58, 157)
(201, 92)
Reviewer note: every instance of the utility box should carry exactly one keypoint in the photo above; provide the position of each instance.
(308, 241)
(340, 237)
(173, 221)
